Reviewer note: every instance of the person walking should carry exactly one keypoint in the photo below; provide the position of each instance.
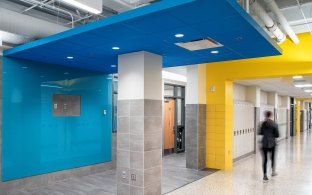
(269, 131)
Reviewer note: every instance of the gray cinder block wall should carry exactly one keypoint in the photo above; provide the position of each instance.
(195, 123)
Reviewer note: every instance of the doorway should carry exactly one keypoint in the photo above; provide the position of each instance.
(292, 116)
(169, 125)
(174, 119)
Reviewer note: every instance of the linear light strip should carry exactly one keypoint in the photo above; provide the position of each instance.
(82, 6)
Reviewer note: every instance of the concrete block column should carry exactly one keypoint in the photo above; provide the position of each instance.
(195, 117)
(139, 137)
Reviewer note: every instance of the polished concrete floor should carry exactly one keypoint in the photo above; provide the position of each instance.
(174, 176)
(294, 166)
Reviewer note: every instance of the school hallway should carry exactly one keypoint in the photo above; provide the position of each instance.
(293, 165)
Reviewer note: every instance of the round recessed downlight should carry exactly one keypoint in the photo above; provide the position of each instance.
(214, 52)
(70, 57)
(179, 35)
(115, 48)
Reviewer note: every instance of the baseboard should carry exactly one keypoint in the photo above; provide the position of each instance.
(244, 156)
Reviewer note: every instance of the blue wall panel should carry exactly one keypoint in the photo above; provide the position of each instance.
(36, 142)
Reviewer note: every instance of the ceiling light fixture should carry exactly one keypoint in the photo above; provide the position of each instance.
(70, 57)
(297, 77)
(303, 85)
(115, 48)
(179, 35)
(308, 90)
(83, 6)
(113, 66)
(214, 52)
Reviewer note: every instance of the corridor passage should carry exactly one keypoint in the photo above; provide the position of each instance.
(293, 167)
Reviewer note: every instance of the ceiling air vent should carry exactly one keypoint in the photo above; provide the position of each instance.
(200, 44)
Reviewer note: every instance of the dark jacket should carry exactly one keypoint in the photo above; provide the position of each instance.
(269, 130)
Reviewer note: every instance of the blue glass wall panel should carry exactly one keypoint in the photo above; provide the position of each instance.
(36, 142)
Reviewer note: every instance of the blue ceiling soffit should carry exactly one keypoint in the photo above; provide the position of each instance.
(153, 28)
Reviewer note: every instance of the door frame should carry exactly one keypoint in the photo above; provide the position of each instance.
(176, 97)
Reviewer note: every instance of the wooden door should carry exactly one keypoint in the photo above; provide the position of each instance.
(169, 124)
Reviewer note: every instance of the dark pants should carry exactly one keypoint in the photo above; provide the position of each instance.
(265, 158)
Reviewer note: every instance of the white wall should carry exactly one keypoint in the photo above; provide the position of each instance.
(239, 92)
(192, 85)
(263, 97)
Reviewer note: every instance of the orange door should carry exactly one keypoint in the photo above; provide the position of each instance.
(169, 124)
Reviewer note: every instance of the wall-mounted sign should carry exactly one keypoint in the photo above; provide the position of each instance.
(66, 105)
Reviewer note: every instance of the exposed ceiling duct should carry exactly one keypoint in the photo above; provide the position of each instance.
(268, 21)
(282, 20)
(30, 27)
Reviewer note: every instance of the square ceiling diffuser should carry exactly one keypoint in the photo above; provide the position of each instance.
(200, 44)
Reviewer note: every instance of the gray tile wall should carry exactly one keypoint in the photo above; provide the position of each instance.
(139, 144)
(195, 133)
(46, 179)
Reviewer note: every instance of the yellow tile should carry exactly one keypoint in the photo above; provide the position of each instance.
(211, 121)
(211, 135)
(219, 137)
(220, 108)
(220, 115)
(211, 107)
(220, 161)
(222, 125)
(220, 143)
(210, 150)
(220, 122)
(220, 152)
(211, 165)
(210, 143)
(211, 115)
(210, 129)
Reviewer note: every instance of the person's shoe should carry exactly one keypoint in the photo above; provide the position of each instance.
(274, 174)
(265, 178)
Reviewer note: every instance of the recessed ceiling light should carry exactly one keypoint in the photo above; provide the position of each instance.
(115, 48)
(179, 35)
(24, 67)
(214, 52)
(303, 85)
(308, 90)
(70, 57)
(113, 66)
(297, 77)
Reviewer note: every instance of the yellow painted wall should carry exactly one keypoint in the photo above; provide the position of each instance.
(296, 60)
